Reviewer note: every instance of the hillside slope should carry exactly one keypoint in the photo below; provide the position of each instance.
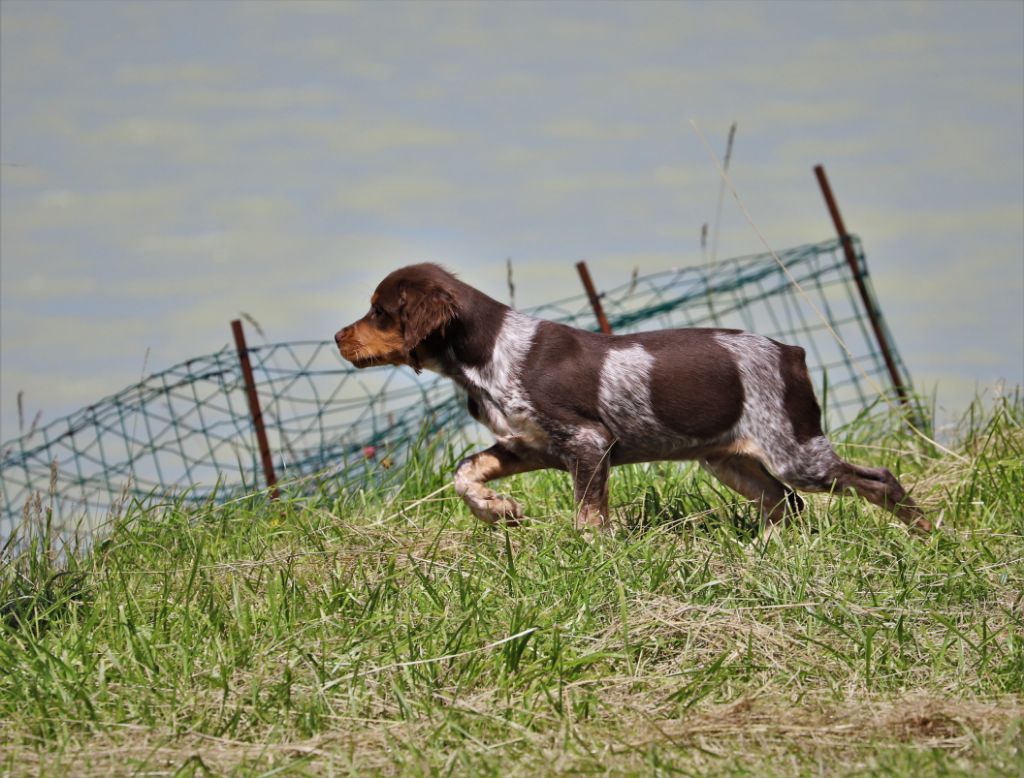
(391, 633)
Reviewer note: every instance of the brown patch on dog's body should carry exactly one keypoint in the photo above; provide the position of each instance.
(798, 398)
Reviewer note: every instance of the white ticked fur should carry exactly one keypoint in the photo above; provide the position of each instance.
(505, 408)
(626, 404)
(624, 393)
(764, 420)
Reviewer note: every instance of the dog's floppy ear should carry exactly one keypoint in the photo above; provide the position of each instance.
(425, 308)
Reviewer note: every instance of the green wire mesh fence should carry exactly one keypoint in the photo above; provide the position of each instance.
(187, 431)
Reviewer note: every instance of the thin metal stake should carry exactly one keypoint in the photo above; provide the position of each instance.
(595, 301)
(254, 409)
(869, 307)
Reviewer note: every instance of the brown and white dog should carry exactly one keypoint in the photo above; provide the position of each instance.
(559, 397)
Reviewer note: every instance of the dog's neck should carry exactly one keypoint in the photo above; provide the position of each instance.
(480, 356)
(488, 360)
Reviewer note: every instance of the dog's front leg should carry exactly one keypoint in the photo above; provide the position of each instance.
(590, 470)
(475, 471)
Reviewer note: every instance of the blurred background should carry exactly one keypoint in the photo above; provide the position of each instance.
(166, 166)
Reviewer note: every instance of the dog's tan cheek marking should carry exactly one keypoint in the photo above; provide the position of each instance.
(377, 343)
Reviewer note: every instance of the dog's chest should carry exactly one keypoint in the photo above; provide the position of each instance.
(511, 419)
(502, 403)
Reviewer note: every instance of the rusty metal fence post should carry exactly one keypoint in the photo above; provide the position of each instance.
(869, 305)
(595, 300)
(254, 409)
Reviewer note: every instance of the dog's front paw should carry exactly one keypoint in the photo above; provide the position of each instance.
(496, 508)
(507, 510)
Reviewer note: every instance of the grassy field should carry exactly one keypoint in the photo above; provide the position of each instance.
(391, 633)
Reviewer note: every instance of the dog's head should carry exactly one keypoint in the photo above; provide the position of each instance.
(408, 306)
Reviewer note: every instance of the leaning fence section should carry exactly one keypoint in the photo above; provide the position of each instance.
(186, 433)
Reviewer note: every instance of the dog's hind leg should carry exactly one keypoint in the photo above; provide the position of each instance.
(817, 468)
(879, 486)
(475, 471)
(746, 475)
